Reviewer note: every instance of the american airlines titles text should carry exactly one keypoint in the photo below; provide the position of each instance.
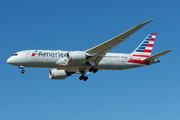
(50, 54)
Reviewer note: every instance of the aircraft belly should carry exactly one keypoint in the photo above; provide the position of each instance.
(133, 65)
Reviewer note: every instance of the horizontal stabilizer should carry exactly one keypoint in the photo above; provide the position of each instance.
(157, 55)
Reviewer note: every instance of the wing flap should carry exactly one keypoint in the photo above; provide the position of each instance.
(157, 55)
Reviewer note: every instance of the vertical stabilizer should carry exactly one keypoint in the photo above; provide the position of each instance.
(144, 50)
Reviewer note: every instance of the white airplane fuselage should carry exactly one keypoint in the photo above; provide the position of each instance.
(58, 59)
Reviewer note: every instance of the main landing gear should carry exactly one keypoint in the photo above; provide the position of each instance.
(92, 69)
(22, 67)
(85, 78)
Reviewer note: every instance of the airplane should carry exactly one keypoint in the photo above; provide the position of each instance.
(66, 63)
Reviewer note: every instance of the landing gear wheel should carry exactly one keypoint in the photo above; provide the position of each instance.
(81, 77)
(85, 78)
(92, 69)
(23, 71)
(95, 70)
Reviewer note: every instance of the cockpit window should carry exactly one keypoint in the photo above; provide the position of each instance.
(14, 54)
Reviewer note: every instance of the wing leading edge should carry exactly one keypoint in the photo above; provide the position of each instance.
(100, 51)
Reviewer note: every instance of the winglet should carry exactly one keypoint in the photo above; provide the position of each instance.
(148, 21)
(134, 29)
(157, 55)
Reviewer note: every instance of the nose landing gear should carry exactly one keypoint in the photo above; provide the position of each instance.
(22, 67)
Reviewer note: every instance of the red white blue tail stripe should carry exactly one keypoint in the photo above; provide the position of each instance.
(144, 50)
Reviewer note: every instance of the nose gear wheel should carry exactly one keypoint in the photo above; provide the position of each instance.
(22, 67)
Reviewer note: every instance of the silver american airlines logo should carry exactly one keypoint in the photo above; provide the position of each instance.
(48, 54)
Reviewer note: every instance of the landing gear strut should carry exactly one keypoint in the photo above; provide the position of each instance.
(22, 67)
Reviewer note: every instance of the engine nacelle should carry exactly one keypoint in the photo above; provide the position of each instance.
(58, 74)
(76, 56)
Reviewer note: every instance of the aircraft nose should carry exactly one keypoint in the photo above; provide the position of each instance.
(9, 60)
(12, 61)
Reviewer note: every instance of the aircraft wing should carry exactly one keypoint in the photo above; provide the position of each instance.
(100, 51)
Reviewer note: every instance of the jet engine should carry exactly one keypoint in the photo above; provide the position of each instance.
(77, 56)
(58, 74)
